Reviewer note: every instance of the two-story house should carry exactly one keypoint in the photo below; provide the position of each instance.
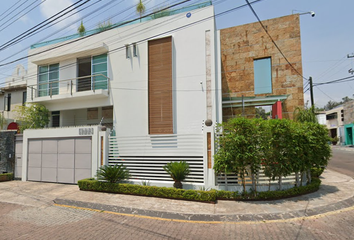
(153, 82)
(12, 94)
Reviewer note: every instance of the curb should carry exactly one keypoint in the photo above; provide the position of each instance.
(210, 217)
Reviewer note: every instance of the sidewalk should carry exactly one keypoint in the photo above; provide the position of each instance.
(344, 148)
(336, 193)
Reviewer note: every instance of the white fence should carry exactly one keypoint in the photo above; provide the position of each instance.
(145, 156)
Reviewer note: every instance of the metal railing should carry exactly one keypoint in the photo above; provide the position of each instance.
(69, 86)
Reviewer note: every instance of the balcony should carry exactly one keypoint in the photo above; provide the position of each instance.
(81, 88)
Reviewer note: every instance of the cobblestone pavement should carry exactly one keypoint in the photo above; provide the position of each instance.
(54, 222)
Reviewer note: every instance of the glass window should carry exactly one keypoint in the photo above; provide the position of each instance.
(48, 80)
(99, 72)
(262, 76)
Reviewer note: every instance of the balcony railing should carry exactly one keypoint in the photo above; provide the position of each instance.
(69, 86)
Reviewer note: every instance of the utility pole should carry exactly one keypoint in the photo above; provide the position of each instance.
(351, 71)
(311, 91)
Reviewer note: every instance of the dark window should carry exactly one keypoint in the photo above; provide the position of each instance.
(24, 98)
(331, 116)
(56, 119)
(135, 50)
(8, 102)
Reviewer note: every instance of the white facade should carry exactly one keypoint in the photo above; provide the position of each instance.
(13, 94)
(334, 122)
(196, 82)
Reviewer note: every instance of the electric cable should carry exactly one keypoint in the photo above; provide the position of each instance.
(120, 48)
(265, 29)
(21, 15)
(43, 23)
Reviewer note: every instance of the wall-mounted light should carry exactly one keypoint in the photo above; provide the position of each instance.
(312, 13)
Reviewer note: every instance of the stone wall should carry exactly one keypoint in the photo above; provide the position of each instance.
(348, 109)
(7, 151)
(240, 45)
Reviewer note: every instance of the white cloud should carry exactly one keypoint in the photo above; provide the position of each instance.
(25, 19)
(51, 7)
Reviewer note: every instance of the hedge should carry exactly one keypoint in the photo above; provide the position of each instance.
(194, 195)
(6, 177)
(151, 191)
(271, 195)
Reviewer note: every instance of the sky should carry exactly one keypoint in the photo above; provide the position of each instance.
(326, 39)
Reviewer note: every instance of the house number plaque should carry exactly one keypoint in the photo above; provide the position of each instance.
(85, 131)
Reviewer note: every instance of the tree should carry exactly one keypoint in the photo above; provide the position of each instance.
(260, 113)
(346, 99)
(81, 29)
(241, 148)
(2, 121)
(32, 115)
(305, 115)
(331, 104)
(140, 8)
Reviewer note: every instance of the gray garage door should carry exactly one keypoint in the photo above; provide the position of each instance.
(59, 160)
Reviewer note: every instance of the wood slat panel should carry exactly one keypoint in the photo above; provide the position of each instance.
(160, 86)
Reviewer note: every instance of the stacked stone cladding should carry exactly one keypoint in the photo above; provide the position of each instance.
(241, 45)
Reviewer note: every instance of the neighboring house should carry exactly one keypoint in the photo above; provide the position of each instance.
(335, 122)
(348, 130)
(254, 72)
(321, 118)
(152, 82)
(155, 84)
(13, 94)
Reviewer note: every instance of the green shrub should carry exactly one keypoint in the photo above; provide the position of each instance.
(271, 195)
(317, 171)
(6, 177)
(178, 172)
(152, 191)
(113, 173)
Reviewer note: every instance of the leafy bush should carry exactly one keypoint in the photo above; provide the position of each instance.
(113, 173)
(271, 195)
(317, 171)
(6, 177)
(178, 172)
(242, 148)
(194, 195)
(281, 146)
(152, 191)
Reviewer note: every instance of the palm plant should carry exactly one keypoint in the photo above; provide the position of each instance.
(140, 8)
(113, 173)
(178, 172)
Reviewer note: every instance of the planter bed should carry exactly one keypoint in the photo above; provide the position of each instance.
(6, 177)
(194, 195)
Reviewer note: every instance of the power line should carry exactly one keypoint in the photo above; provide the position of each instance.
(43, 23)
(65, 27)
(265, 29)
(9, 10)
(324, 93)
(157, 35)
(340, 80)
(21, 15)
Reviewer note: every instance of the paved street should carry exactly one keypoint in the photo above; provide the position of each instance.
(52, 222)
(27, 211)
(342, 161)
